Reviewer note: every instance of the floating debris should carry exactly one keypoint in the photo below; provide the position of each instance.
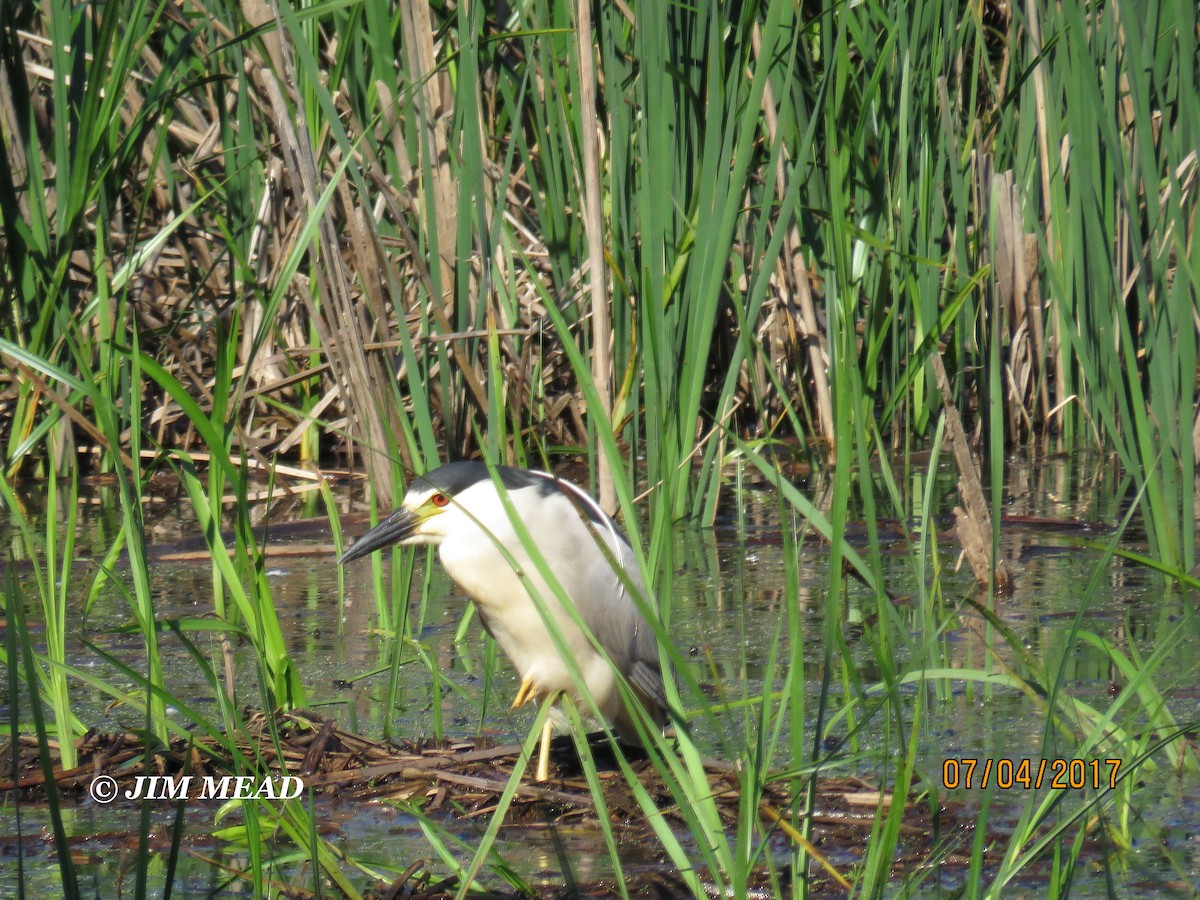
(462, 778)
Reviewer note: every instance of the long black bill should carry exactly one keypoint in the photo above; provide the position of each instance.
(395, 528)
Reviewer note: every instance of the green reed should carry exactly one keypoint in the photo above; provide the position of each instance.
(1118, 262)
(854, 149)
(20, 665)
(54, 587)
(862, 155)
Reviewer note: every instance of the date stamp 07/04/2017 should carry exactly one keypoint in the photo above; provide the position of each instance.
(980, 773)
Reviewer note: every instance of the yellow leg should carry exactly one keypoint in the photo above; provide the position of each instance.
(525, 692)
(543, 766)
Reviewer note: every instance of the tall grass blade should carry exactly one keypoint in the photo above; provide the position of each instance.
(20, 659)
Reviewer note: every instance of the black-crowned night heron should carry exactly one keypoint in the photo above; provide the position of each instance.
(458, 509)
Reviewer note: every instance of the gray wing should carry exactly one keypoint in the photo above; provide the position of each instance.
(604, 602)
(616, 619)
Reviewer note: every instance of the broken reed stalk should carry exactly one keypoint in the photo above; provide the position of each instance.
(972, 520)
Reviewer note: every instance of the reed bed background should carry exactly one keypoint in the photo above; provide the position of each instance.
(648, 236)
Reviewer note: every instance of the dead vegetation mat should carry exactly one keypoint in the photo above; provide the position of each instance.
(465, 779)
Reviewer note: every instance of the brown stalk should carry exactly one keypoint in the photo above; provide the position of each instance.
(973, 524)
(601, 326)
(810, 333)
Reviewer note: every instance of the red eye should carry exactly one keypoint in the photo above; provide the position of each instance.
(439, 500)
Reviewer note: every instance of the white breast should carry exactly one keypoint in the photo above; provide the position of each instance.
(510, 613)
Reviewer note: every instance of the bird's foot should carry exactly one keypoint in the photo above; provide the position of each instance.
(525, 693)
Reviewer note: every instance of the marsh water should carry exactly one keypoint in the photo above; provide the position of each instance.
(727, 594)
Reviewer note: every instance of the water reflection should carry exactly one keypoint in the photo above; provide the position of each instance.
(729, 590)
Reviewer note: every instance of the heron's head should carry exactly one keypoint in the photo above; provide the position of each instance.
(455, 499)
